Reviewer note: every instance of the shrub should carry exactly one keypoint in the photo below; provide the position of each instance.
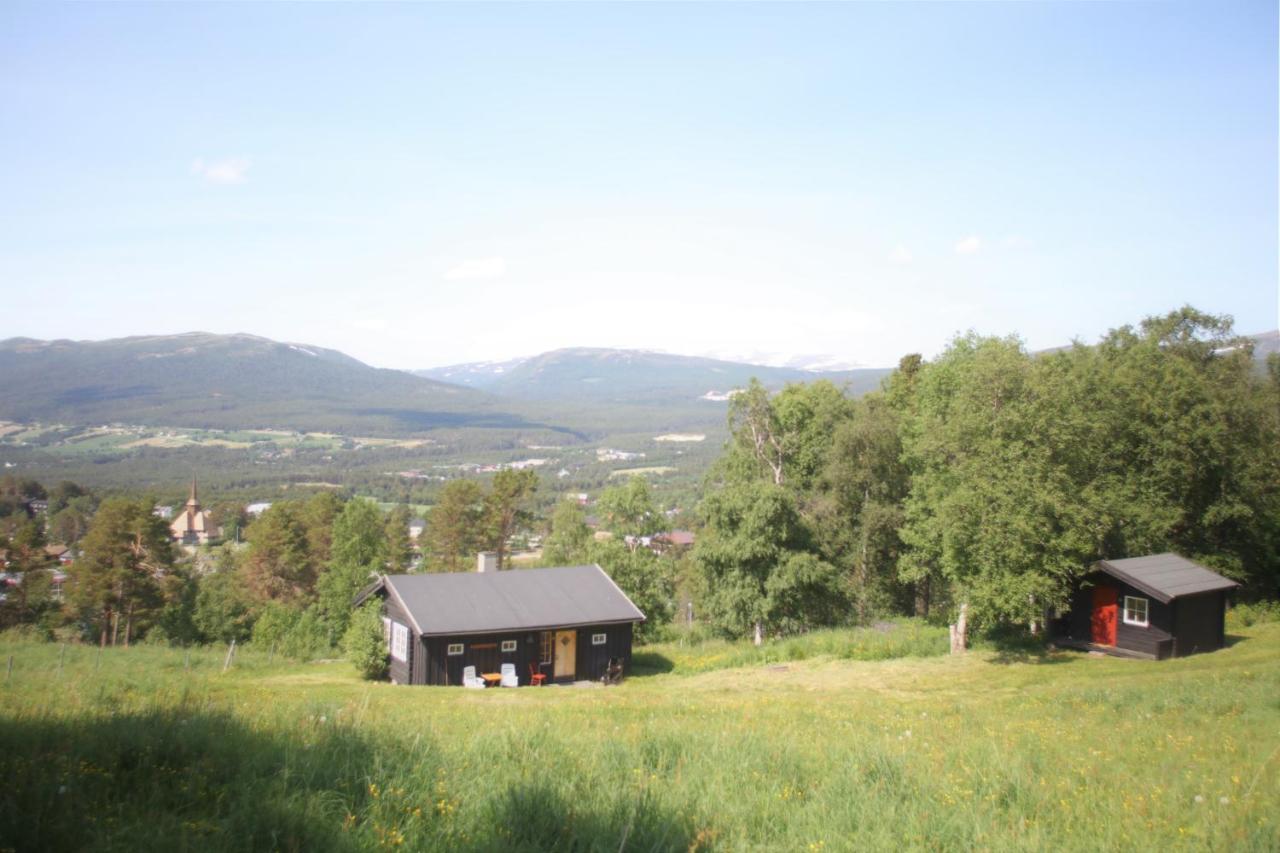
(1257, 613)
(364, 644)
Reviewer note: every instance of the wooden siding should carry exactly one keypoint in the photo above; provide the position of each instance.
(593, 660)
(1186, 625)
(400, 671)
(1199, 623)
(441, 668)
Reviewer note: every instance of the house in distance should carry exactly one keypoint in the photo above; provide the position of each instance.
(1158, 606)
(564, 623)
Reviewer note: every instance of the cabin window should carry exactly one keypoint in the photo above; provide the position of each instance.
(508, 645)
(599, 639)
(548, 644)
(1135, 611)
(386, 631)
(455, 648)
(399, 641)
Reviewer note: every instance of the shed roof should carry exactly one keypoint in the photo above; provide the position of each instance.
(1166, 576)
(515, 600)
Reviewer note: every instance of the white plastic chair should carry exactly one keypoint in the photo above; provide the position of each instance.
(509, 677)
(469, 678)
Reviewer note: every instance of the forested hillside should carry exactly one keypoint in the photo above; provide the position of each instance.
(634, 377)
(227, 382)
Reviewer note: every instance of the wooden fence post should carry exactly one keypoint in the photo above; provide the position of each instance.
(62, 654)
(231, 650)
(186, 661)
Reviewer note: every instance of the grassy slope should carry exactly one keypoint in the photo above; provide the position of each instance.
(1069, 751)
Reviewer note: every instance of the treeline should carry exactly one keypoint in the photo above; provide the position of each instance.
(990, 479)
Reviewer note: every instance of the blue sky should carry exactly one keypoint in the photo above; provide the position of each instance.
(426, 184)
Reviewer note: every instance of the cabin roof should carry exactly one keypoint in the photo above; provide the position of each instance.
(1165, 576)
(514, 600)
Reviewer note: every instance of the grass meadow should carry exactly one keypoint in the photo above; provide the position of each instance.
(709, 747)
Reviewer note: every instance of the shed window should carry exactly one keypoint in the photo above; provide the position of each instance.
(386, 631)
(508, 645)
(548, 644)
(1135, 611)
(455, 648)
(599, 639)
(399, 641)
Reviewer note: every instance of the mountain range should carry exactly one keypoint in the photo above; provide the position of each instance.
(633, 376)
(242, 381)
(225, 381)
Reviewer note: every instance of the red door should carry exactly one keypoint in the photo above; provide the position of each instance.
(1104, 615)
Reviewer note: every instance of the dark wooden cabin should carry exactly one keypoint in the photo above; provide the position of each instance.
(565, 623)
(1156, 607)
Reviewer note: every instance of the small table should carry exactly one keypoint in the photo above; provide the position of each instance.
(491, 679)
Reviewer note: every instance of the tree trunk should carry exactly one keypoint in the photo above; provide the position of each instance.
(115, 628)
(128, 625)
(759, 633)
(862, 569)
(922, 598)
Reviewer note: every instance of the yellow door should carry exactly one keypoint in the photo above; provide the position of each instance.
(566, 653)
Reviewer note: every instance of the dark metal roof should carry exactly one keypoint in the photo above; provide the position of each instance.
(515, 600)
(1165, 576)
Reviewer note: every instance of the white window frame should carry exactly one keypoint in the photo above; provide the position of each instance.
(1145, 621)
(386, 632)
(508, 645)
(599, 639)
(454, 649)
(399, 642)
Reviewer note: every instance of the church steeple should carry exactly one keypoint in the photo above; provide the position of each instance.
(193, 501)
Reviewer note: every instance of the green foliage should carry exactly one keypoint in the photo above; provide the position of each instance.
(222, 609)
(279, 565)
(297, 634)
(569, 539)
(116, 584)
(399, 548)
(359, 554)
(754, 560)
(647, 579)
(455, 526)
(504, 508)
(364, 644)
(628, 509)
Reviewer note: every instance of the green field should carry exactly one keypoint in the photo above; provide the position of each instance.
(708, 747)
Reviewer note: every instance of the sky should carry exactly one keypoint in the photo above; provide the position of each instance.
(427, 184)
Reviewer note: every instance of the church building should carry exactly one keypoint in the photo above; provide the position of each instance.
(192, 525)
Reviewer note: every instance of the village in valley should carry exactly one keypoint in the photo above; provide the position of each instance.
(640, 427)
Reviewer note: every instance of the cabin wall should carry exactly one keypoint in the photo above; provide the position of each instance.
(1184, 626)
(444, 669)
(441, 668)
(401, 672)
(1155, 639)
(1199, 623)
(593, 660)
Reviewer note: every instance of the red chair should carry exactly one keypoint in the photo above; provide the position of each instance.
(536, 678)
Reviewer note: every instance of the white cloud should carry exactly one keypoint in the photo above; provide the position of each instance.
(900, 255)
(233, 171)
(477, 269)
(969, 245)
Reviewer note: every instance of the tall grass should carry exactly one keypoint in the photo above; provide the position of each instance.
(886, 641)
(143, 752)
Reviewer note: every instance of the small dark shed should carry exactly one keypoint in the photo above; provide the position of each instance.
(564, 623)
(1158, 606)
